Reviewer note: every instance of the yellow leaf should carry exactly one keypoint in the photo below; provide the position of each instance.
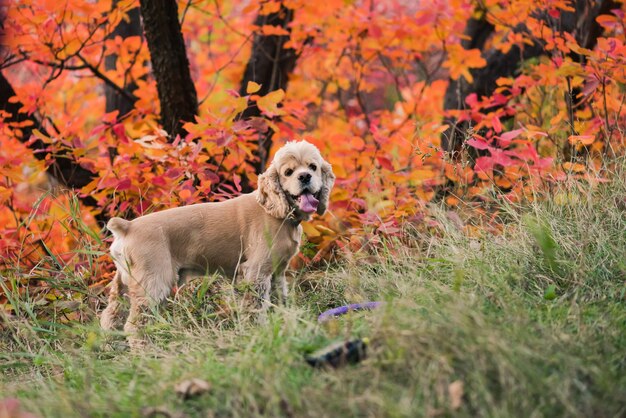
(240, 105)
(71, 48)
(91, 186)
(269, 103)
(310, 230)
(252, 87)
(325, 231)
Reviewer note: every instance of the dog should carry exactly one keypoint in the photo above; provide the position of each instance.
(253, 236)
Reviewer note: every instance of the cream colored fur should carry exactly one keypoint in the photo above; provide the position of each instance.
(252, 236)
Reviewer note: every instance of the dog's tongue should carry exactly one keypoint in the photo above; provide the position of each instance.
(308, 203)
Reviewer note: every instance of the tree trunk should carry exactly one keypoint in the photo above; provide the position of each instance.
(114, 100)
(270, 65)
(177, 93)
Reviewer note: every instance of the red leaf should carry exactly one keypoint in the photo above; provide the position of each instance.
(483, 164)
(174, 172)
(385, 163)
(123, 185)
(375, 31)
(507, 137)
(471, 100)
(158, 181)
(478, 143)
(120, 132)
(500, 157)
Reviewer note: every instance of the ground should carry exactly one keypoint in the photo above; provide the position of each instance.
(527, 322)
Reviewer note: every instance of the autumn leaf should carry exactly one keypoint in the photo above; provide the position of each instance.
(367, 91)
(574, 167)
(252, 87)
(310, 230)
(270, 7)
(385, 163)
(456, 392)
(184, 194)
(270, 30)
(581, 139)
(507, 137)
(269, 103)
(478, 143)
(461, 60)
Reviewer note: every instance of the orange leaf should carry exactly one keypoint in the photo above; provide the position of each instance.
(574, 167)
(184, 194)
(460, 60)
(581, 139)
(270, 30)
(452, 201)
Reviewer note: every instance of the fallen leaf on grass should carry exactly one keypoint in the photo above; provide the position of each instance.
(192, 387)
(160, 411)
(455, 390)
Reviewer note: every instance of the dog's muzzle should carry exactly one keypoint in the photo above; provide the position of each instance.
(307, 202)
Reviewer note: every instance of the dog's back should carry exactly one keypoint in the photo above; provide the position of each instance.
(206, 237)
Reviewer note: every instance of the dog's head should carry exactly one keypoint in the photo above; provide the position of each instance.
(297, 183)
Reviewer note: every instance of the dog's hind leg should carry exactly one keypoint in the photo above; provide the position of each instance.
(148, 288)
(110, 318)
(136, 319)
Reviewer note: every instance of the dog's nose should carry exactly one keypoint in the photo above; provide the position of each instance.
(304, 177)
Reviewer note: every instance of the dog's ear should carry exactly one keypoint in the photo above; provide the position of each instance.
(271, 195)
(328, 179)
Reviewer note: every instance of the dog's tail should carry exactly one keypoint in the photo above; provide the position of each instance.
(118, 226)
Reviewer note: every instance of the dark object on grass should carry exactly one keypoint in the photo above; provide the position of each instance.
(191, 388)
(342, 310)
(340, 354)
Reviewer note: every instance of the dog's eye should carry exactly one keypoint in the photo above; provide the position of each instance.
(313, 167)
(288, 172)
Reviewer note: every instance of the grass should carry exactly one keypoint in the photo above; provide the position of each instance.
(531, 322)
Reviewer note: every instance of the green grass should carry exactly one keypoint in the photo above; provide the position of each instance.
(532, 322)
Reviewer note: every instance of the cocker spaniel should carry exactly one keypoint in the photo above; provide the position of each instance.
(253, 236)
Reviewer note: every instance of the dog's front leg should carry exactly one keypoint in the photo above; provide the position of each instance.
(263, 288)
(279, 284)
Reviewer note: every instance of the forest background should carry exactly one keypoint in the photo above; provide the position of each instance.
(459, 102)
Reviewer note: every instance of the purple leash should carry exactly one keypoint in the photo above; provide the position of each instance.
(342, 310)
